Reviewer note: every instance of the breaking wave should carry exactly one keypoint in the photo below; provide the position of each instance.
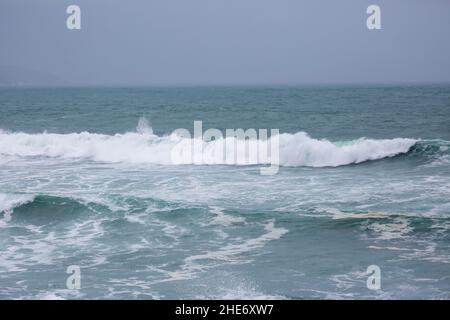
(143, 146)
(8, 202)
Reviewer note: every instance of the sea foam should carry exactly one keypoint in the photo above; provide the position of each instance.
(10, 201)
(297, 149)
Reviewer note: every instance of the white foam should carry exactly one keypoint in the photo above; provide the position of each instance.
(224, 219)
(232, 287)
(145, 147)
(398, 229)
(301, 150)
(23, 251)
(50, 296)
(368, 215)
(10, 201)
(228, 253)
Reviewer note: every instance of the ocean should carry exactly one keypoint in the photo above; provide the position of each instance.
(86, 180)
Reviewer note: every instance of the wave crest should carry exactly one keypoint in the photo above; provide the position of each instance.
(8, 202)
(301, 150)
(297, 149)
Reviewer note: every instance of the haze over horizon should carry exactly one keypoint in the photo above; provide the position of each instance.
(200, 42)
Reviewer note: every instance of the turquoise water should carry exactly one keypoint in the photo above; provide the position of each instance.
(86, 180)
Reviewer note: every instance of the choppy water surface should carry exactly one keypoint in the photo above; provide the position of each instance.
(364, 180)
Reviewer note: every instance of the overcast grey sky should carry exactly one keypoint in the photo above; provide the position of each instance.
(195, 42)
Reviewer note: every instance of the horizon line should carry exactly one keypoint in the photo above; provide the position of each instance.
(231, 85)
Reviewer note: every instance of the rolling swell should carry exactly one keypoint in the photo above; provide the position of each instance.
(28, 206)
(430, 148)
(42, 208)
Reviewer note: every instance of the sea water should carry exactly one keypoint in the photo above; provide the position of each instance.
(86, 180)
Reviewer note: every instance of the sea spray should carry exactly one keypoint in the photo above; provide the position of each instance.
(297, 149)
